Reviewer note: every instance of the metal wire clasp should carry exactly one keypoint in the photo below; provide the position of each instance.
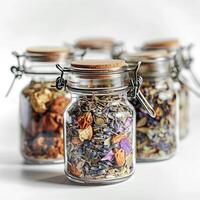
(180, 62)
(187, 60)
(136, 82)
(16, 70)
(60, 81)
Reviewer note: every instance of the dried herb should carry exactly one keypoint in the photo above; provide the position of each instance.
(156, 138)
(99, 137)
(42, 110)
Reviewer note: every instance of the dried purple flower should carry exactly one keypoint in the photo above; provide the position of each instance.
(125, 145)
(128, 122)
(109, 156)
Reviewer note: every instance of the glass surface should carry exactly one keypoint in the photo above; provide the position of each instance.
(99, 138)
(183, 110)
(156, 138)
(41, 119)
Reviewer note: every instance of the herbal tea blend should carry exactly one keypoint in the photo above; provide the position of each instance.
(41, 106)
(42, 122)
(99, 122)
(156, 138)
(100, 138)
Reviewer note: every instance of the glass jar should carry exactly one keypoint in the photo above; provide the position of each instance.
(99, 48)
(173, 47)
(156, 138)
(99, 122)
(41, 105)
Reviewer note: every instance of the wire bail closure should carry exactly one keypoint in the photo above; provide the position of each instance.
(181, 62)
(187, 63)
(136, 82)
(16, 70)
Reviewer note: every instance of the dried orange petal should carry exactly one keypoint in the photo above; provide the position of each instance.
(118, 138)
(74, 170)
(59, 104)
(85, 134)
(120, 158)
(85, 120)
(39, 99)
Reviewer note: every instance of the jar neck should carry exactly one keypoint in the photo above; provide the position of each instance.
(42, 78)
(157, 78)
(119, 93)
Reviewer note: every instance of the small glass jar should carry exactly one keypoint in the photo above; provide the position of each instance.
(156, 138)
(41, 105)
(99, 122)
(173, 47)
(99, 48)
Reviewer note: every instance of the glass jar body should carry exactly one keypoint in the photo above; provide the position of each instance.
(41, 121)
(183, 110)
(98, 54)
(99, 138)
(157, 138)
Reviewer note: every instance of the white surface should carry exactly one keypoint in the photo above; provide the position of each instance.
(24, 23)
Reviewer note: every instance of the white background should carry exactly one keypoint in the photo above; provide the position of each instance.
(38, 22)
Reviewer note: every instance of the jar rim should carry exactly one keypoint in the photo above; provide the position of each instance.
(93, 65)
(153, 63)
(46, 53)
(95, 43)
(167, 44)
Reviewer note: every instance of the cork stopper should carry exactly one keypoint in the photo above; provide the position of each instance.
(47, 53)
(47, 50)
(147, 56)
(95, 43)
(98, 64)
(162, 44)
(154, 63)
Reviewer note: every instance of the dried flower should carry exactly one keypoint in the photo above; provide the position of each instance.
(128, 122)
(39, 99)
(93, 137)
(74, 170)
(120, 158)
(109, 156)
(125, 145)
(43, 131)
(85, 120)
(59, 104)
(118, 138)
(85, 134)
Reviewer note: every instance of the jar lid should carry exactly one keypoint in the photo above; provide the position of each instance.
(47, 53)
(93, 65)
(97, 75)
(167, 44)
(154, 63)
(95, 43)
(146, 56)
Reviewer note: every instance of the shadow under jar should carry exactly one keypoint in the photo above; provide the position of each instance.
(42, 106)
(173, 47)
(100, 48)
(99, 123)
(156, 138)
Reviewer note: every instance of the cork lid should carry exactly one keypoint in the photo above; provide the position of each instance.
(95, 43)
(93, 64)
(47, 53)
(146, 56)
(154, 63)
(162, 44)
